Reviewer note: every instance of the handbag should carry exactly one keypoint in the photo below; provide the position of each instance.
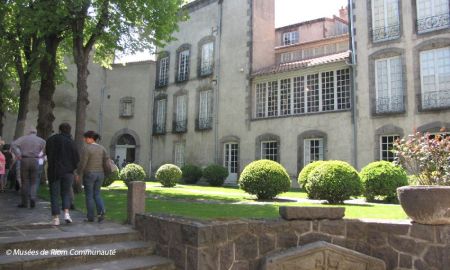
(109, 167)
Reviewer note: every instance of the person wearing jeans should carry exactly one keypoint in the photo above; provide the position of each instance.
(93, 158)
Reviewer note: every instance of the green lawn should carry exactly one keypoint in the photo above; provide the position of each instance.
(219, 203)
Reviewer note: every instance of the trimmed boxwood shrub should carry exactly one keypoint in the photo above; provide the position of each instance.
(110, 179)
(334, 181)
(382, 178)
(304, 173)
(132, 172)
(191, 173)
(168, 175)
(215, 174)
(265, 179)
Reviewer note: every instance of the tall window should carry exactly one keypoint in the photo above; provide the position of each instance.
(313, 150)
(183, 65)
(163, 76)
(432, 15)
(160, 125)
(181, 117)
(179, 152)
(389, 85)
(205, 110)
(207, 58)
(127, 107)
(231, 158)
(325, 91)
(386, 145)
(435, 78)
(269, 150)
(290, 38)
(385, 20)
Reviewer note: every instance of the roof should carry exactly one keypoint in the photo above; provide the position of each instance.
(291, 66)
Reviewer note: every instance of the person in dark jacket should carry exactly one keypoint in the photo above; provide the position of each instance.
(62, 158)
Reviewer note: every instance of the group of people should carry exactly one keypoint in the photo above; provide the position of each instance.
(65, 165)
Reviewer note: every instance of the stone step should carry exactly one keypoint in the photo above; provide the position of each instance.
(151, 262)
(73, 255)
(54, 238)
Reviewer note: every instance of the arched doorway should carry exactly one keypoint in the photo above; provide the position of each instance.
(125, 151)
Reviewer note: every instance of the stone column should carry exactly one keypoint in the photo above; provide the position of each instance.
(136, 200)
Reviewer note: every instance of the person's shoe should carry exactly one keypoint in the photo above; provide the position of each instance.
(101, 217)
(67, 218)
(21, 205)
(55, 221)
(32, 203)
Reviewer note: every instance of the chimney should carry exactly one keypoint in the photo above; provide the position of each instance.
(343, 13)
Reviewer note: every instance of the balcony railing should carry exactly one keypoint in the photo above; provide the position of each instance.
(159, 128)
(180, 126)
(385, 33)
(204, 123)
(391, 104)
(433, 23)
(436, 99)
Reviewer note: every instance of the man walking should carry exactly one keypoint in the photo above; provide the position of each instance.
(27, 149)
(62, 158)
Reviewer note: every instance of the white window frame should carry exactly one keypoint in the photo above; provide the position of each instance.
(391, 93)
(228, 153)
(179, 154)
(429, 18)
(205, 109)
(163, 78)
(382, 149)
(440, 91)
(307, 150)
(181, 102)
(183, 65)
(290, 38)
(207, 59)
(386, 25)
(161, 114)
(270, 156)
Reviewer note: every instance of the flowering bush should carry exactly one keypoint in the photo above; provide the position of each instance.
(168, 175)
(427, 157)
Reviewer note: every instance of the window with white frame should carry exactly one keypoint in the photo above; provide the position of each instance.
(385, 20)
(435, 78)
(290, 38)
(231, 157)
(205, 110)
(179, 151)
(325, 91)
(386, 146)
(313, 150)
(163, 76)
(269, 150)
(432, 15)
(181, 113)
(183, 65)
(389, 89)
(160, 124)
(206, 64)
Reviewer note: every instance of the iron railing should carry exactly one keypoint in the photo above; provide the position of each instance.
(433, 23)
(386, 33)
(436, 99)
(390, 104)
(180, 126)
(204, 123)
(159, 128)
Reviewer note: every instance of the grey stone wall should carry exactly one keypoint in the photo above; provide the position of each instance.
(244, 244)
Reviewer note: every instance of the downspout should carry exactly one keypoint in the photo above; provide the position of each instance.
(150, 112)
(217, 86)
(353, 92)
(102, 101)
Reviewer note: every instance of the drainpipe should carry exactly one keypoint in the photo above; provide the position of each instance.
(102, 101)
(151, 101)
(217, 86)
(353, 93)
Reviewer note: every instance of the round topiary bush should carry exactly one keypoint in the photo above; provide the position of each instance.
(265, 179)
(382, 178)
(334, 181)
(215, 174)
(304, 173)
(110, 179)
(191, 173)
(132, 172)
(168, 175)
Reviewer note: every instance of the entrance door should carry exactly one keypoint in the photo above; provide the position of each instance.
(126, 150)
(231, 161)
(121, 154)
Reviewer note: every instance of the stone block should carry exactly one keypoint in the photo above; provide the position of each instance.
(220, 234)
(152, 229)
(208, 259)
(266, 244)
(423, 232)
(357, 230)
(205, 236)
(226, 256)
(377, 239)
(442, 234)
(246, 247)
(189, 234)
(236, 229)
(406, 261)
(388, 255)
(406, 245)
(178, 255)
(333, 227)
(391, 228)
(192, 258)
(135, 200)
(313, 237)
(287, 239)
(240, 266)
(437, 257)
(300, 226)
(311, 213)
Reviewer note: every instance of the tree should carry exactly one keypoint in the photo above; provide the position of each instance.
(115, 25)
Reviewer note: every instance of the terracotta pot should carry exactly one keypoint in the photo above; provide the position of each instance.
(426, 204)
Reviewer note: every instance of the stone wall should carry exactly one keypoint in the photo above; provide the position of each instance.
(245, 244)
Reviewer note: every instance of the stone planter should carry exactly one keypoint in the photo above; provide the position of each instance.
(426, 204)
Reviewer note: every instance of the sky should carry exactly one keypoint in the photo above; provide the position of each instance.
(286, 12)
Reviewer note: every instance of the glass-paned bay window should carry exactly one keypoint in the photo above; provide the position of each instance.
(183, 65)
(207, 58)
(435, 78)
(313, 150)
(389, 85)
(319, 92)
(432, 15)
(386, 146)
(385, 20)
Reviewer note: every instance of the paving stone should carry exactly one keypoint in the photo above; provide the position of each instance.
(311, 213)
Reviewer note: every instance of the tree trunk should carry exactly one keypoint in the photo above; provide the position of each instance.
(48, 86)
(82, 100)
(24, 99)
